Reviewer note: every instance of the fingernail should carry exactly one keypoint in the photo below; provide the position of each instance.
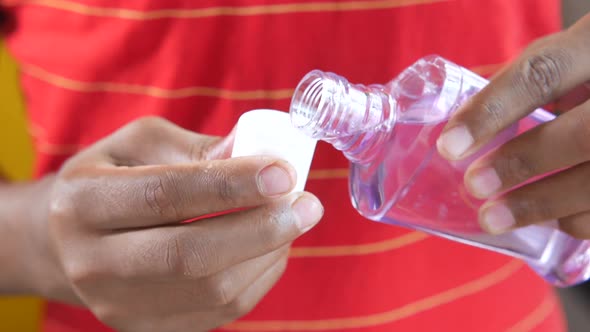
(308, 212)
(274, 180)
(497, 219)
(455, 142)
(484, 182)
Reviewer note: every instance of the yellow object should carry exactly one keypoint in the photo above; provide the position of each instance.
(16, 161)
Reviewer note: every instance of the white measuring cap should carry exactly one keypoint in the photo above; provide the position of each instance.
(270, 133)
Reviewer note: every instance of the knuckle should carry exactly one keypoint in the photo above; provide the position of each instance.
(161, 195)
(516, 168)
(493, 111)
(185, 259)
(201, 147)
(63, 201)
(175, 259)
(145, 125)
(61, 208)
(80, 273)
(197, 151)
(541, 74)
(220, 290)
(240, 306)
(226, 188)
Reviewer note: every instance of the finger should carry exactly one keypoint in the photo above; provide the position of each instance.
(243, 304)
(156, 141)
(554, 197)
(547, 70)
(145, 196)
(208, 320)
(577, 225)
(552, 146)
(206, 247)
(166, 297)
(226, 286)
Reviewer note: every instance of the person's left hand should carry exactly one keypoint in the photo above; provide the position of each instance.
(551, 69)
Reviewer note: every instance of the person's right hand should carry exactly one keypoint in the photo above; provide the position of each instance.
(115, 229)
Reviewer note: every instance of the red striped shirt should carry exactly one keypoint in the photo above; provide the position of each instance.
(91, 66)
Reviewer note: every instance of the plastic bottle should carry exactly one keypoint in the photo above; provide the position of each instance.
(389, 133)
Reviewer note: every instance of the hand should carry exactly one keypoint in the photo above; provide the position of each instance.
(116, 230)
(551, 69)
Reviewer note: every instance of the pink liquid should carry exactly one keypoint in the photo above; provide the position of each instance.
(414, 187)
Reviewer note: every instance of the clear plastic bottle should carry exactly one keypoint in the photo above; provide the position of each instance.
(388, 132)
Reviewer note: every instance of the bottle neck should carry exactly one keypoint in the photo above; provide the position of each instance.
(355, 119)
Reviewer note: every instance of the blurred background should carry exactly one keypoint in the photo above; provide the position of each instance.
(16, 159)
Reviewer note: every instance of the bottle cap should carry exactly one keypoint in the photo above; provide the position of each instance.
(270, 133)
